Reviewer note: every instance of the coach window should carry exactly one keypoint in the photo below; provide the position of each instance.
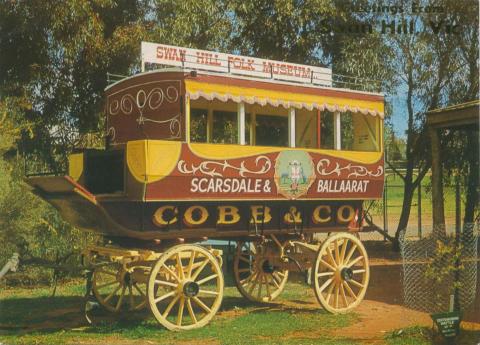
(198, 125)
(366, 129)
(346, 131)
(327, 130)
(271, 126)
(224, 129)
(213, 122)
(306, 128)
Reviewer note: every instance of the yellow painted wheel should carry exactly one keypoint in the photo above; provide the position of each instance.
(117, 289)
(185, 287)
(255, 276)
(341, 273)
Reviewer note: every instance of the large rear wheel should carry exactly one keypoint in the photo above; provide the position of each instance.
(341, 273)
(256, 277)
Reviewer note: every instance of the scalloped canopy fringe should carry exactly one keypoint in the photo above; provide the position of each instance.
(286, 104)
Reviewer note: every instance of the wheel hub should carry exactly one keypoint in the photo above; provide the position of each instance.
(191, 289)
(267, 267)
(346, 273)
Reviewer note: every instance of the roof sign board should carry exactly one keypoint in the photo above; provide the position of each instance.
(163, 54)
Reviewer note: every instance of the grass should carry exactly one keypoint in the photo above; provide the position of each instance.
(32, 316)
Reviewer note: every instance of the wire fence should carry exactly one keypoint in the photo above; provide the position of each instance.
(386, 212)
(440, 270)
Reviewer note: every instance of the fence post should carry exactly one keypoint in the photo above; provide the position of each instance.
(457, 243)
(385, 214)
(457, 208)
(419, 209)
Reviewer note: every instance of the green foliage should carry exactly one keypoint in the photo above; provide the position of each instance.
(444, 262)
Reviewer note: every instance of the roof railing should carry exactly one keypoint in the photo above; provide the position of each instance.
(322, 80)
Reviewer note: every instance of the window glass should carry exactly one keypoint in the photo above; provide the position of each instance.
(365, 132)
(306, 128)
(271, 130)
(327, 130)
(346, 131)
(248, 123)
(198, 125)
(224, 130)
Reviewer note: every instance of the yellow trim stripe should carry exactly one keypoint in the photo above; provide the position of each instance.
(222, 151)
(253, 94)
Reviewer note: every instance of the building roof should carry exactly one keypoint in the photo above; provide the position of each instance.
(458, 115)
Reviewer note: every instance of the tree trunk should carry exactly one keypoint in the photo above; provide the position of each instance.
(408, 192)
(473, 176)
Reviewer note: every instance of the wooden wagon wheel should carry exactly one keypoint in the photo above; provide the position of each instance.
(114, 287)
(341, 273)
(255, 277)
(185, 287)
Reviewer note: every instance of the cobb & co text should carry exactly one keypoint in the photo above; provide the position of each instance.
(230, 215)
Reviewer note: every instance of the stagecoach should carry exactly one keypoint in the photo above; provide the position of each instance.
(265, 153)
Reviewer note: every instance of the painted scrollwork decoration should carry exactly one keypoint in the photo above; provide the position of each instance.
(326, 168)
(143, 102)
(216, 169)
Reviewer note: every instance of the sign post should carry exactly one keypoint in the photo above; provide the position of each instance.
(448, 324)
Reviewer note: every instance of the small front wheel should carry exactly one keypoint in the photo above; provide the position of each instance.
(185, 287)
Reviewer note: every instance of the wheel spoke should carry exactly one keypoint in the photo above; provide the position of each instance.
(354, 282)
(330, 256)
(161, 298)
(106, 284)
(204, 280)
(359, 271)
(170, 305)
(165, 283)
(344, 250)
(180, 267)
(120, 300)
(337, 253)
(190, 264)
(190, 311)
(246, 280)
(139, 290)
(350, 252)
(354, 261)
(349, 290)
(201, 304)
(330, 267)
(335, 297)
(329, 292)
(325, 274)
(344, 297)
(208, 292)
(200, 269)
(260, 284)
(274, 280)
(244, 270)
(173, 274)
(181, 306)
(112, 293)
(250, 290)
(267, 285)
(130, 294)
(325, 284)
(244, 259)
